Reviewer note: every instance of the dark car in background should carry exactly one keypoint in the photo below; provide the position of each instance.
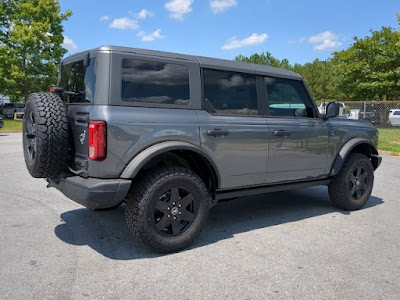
(373, 112)
(10, 108)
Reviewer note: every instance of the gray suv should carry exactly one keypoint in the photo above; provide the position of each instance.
(172, 134)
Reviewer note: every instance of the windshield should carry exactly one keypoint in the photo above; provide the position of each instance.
(78, 82)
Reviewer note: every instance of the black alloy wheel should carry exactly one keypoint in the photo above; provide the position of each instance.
(174, 212)
(167, 208)
(30, 134)
(351, 188)
(358, 182)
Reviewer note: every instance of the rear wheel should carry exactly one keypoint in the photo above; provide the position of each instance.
(352, 187)
(167, 209)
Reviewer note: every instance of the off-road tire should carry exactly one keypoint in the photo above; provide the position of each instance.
(142, 199)
(340, 187)
(46, 132)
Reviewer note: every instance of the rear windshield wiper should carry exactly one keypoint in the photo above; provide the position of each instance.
(77, 96)
(72, 93)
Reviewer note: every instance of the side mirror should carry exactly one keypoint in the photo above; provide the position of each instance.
(332, 110)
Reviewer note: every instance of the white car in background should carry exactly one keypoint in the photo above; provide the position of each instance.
(342, 109)
(394, 117)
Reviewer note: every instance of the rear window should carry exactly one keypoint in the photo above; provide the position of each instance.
(397, 113)
(155, 82)
(228, 92)
(78, 82)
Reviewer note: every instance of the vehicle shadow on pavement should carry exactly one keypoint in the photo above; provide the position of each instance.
(107, 233)
(229, 218)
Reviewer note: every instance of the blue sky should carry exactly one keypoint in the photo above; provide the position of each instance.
(298, 30)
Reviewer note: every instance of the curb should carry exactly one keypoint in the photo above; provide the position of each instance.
(10, 131)
(389, 153)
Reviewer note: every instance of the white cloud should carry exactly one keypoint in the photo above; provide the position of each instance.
(254, 39)
(143, 14)
(69, 44)
(124, 23)
(179, 8)
(299, 41)
(325, 41)
(104, 18)
(219, 6)
(150, 37)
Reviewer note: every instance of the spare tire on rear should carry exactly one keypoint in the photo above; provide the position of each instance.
(45, 135)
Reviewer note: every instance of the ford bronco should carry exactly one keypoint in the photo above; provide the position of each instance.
(172, 134)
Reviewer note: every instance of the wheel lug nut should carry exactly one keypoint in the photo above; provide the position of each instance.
(180, 212)
(179, 205)
(173, 203)
(168, 208)
(169, 216)
(174, 218)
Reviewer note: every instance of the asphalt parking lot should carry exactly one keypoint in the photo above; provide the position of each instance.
(288, 245)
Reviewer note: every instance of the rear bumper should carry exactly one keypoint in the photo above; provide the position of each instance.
(92, 193)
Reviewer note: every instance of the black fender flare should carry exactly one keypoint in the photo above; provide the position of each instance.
(346, 149)
(135, 165)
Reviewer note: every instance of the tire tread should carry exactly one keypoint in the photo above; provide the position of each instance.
(52, 137)
(337, 188)
(138, 198)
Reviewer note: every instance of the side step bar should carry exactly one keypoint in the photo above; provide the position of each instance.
(230, 194)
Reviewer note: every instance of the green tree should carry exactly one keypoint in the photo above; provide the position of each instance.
(31, 34)
(370, 68)
(263, 59)
(321, 78)
(320, 75)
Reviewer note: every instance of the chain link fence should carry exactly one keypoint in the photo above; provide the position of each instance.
(385, 115)
(381, 114)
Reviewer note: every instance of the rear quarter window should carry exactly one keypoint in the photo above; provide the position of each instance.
(146, 81)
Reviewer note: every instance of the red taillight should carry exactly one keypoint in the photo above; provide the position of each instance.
(52, 90)
(97, 140)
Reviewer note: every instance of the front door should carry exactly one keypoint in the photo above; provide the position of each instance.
(298, 138)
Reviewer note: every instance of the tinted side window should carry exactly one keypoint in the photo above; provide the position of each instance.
(397, 113)
(78, 82)
(155, 82)
(230, 92)
(288, 98)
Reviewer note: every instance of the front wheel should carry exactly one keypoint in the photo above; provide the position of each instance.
(352, 187)
(167, 209)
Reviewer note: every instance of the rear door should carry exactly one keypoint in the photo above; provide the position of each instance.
(231, 129)
(78, 83)
(298, 138)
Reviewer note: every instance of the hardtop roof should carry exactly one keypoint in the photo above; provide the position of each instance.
(205, 62)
